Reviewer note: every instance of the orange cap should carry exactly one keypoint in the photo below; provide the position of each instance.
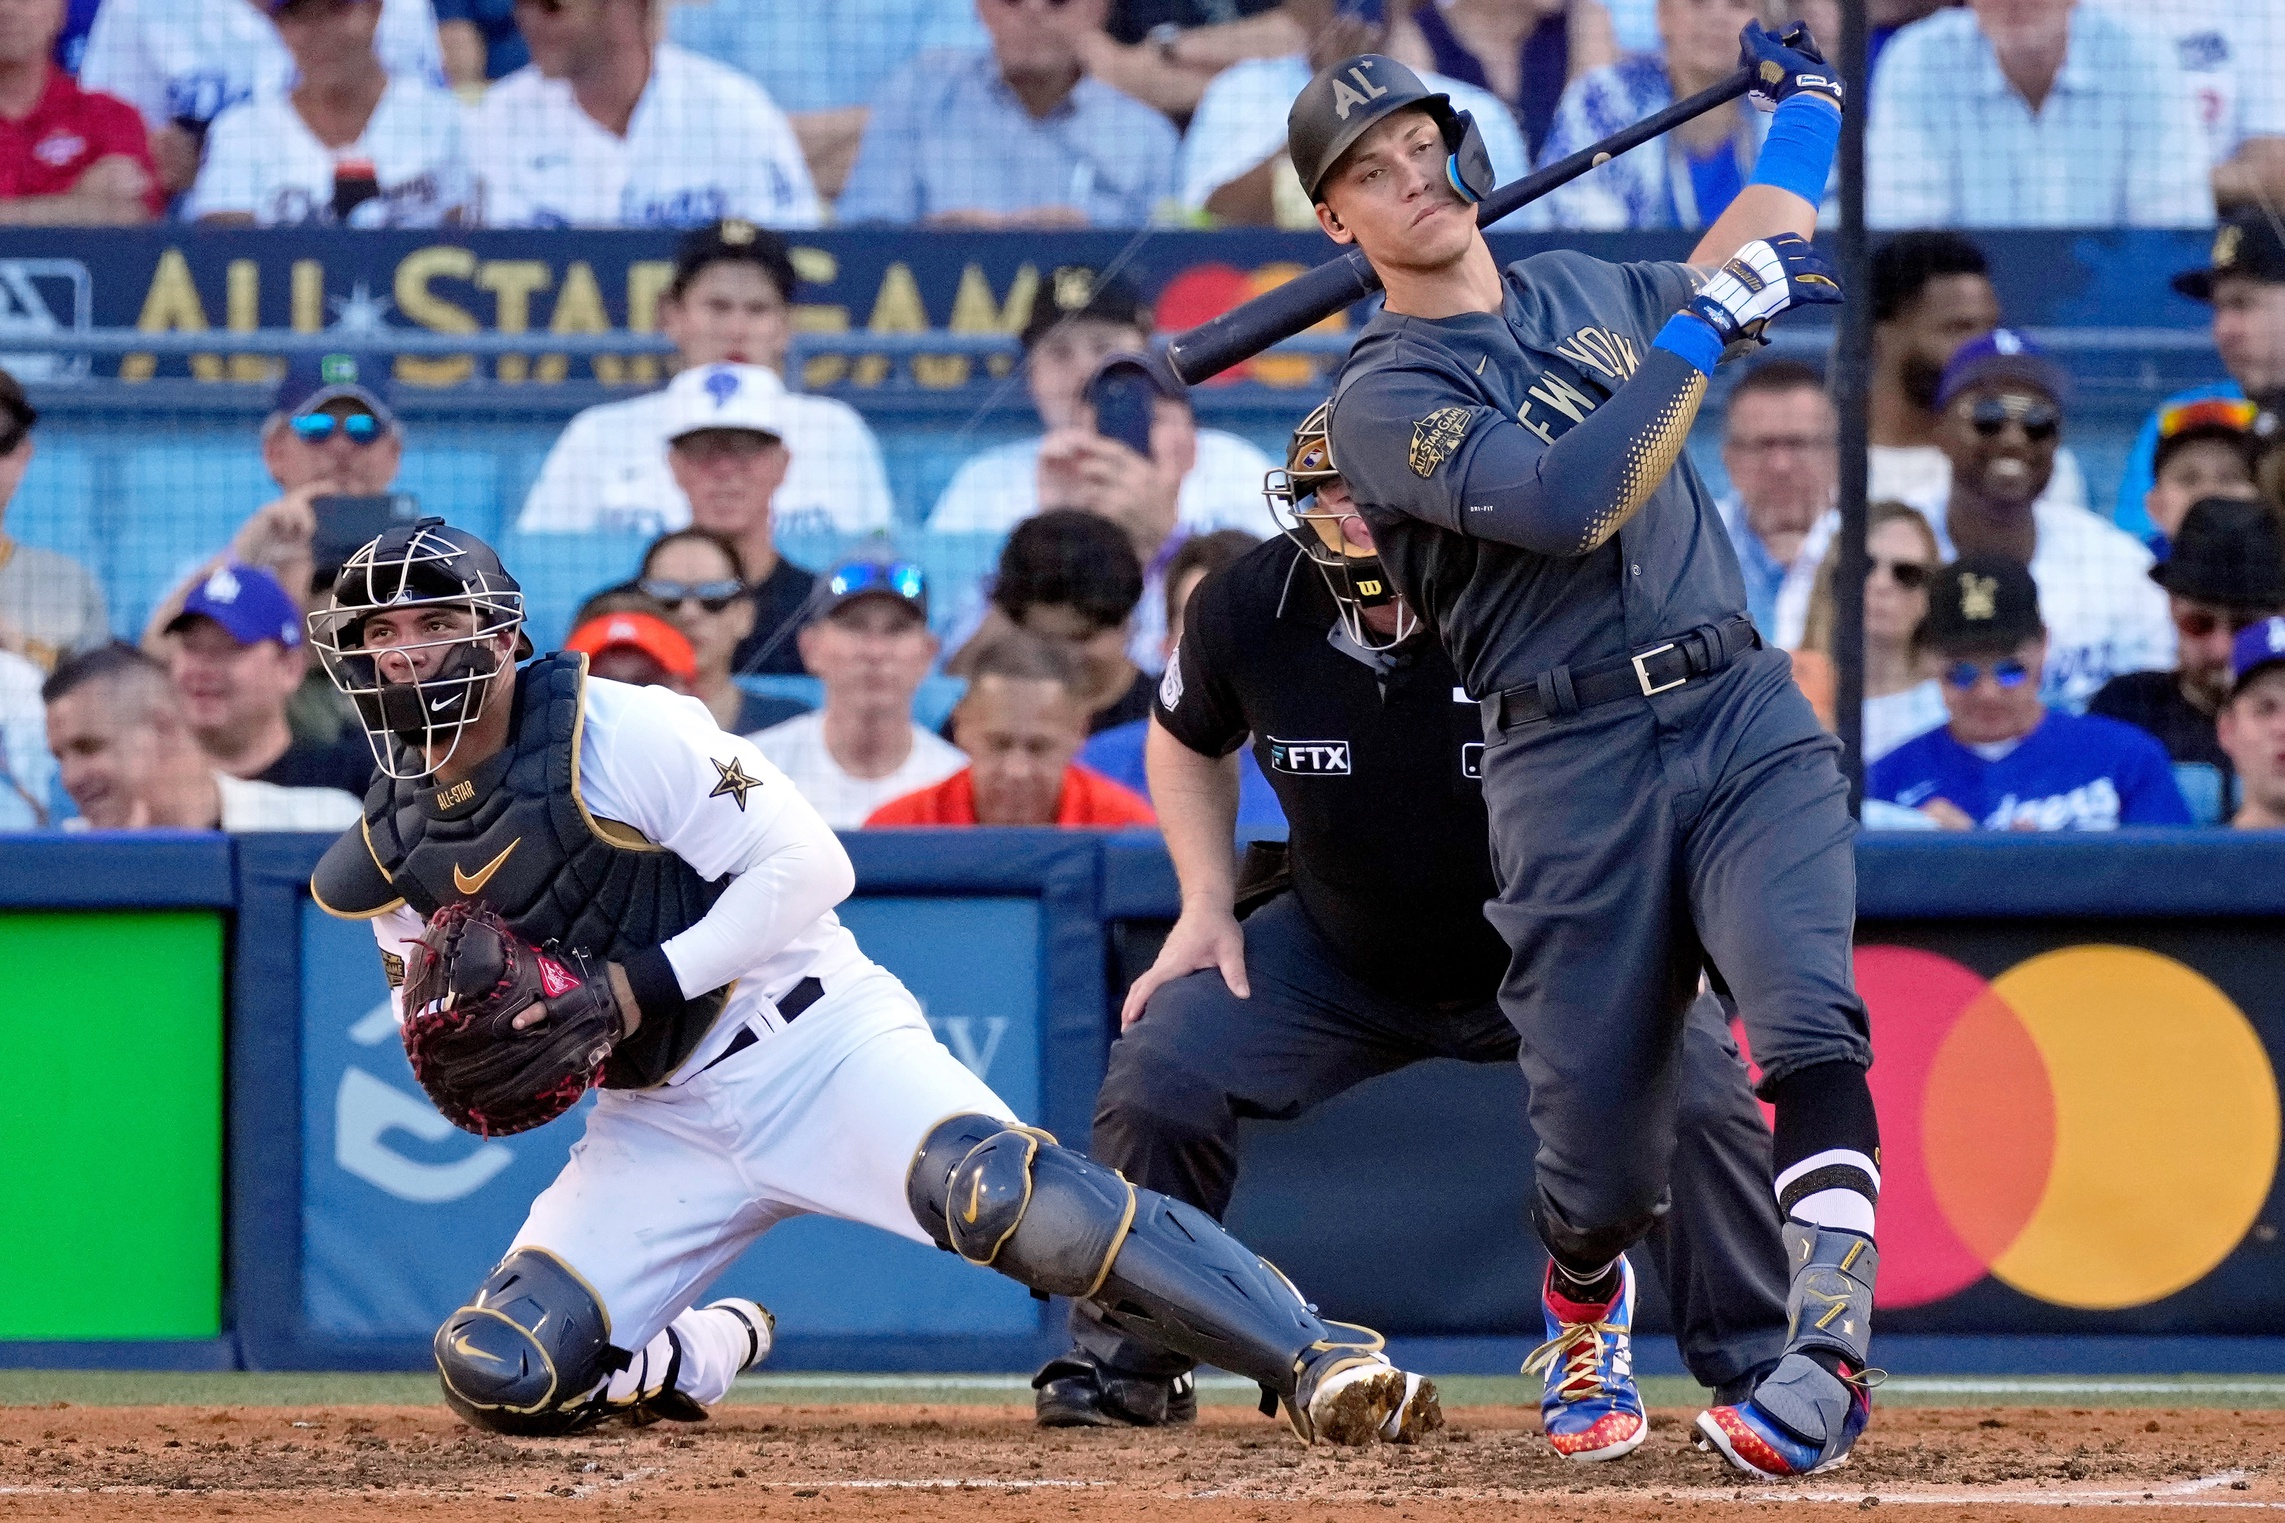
(648, 633)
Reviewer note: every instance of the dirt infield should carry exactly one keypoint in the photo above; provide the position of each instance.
(965, 1464)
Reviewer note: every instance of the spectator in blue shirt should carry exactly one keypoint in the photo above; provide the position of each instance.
(2006, 761)
(1781, 448)
(1014, 135)
(481, 42)
(2245, 285)
(2253, 725)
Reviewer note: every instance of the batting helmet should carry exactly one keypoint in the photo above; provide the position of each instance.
(1336, 107)
(423, 562)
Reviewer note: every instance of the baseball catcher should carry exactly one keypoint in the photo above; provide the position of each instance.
(579, 884)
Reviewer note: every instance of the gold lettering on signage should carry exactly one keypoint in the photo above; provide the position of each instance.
(171, 305)
(814, 266)
(974, 310)
(896, 309)
(647, 280)
(1561, 395)
(309, 296)
(417, 301)
(821, 369)
(512, 282)
(242, 300)
(579, 309)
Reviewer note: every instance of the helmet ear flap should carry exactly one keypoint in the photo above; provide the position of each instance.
(1470, 166)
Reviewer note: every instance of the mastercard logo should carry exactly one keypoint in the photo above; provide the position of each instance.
(2096, 1127)
(1206, 291)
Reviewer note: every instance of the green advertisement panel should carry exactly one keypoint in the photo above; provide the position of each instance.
(112, 1125)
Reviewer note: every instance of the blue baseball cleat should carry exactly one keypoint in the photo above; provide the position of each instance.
(1591, 1409)
(1810, 1411)
(1757, 1443)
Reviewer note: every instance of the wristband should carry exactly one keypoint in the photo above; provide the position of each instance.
(657, 987)
(1693, 338)
(1804, 135)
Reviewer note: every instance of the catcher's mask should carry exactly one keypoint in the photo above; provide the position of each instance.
(1352, 571)
(423, 562)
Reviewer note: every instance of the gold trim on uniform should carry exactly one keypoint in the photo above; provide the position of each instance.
(621, 835)
(1649, 458)
(734, 782)
(1435, 437)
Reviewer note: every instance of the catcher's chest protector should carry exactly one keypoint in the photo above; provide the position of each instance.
(517, 836)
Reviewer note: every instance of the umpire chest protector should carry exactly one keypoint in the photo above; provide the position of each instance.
(517, 836)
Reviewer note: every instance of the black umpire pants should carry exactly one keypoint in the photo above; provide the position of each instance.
(1201, 1059)
(1636, 843)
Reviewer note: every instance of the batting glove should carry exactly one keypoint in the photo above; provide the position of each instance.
(1766, 277)
(1786, 65)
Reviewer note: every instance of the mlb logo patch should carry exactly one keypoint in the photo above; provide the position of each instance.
(1309, 758)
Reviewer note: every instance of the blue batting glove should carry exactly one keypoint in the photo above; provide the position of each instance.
(1786, 65)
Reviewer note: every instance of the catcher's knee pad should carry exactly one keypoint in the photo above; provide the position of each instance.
(1053, 1219)
(528, 1350)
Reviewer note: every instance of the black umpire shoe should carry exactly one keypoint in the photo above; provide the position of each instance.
(1076, 1392)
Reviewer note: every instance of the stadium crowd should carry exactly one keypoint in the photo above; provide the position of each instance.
(2040, 653)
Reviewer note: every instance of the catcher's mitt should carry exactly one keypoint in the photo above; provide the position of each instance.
(466, 980)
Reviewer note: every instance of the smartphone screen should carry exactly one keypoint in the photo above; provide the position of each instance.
(344, 523)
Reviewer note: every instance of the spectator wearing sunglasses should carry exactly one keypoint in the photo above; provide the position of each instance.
(1901, 696)
(2205, 449)
(50, 604)
(2000, 423)
(2005, 760)
(691, 576)
(2252, 727)
(870, 645)
(2226, 575)
(2243, 282)
(1011, 136)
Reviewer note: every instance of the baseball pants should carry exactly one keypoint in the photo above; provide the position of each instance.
(1635, 843)
(1201, 1059)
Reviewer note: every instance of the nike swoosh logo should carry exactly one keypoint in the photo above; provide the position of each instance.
(975, 1192)
(442, 702)
(475, 884)
(461, 1345)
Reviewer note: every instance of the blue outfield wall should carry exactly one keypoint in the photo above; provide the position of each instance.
(2051, 1004)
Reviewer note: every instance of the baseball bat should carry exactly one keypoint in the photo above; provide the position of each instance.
(1306, 300)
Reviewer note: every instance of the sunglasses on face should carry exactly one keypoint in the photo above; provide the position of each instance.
(2040, 422)
(902, 578)
(317, 427)
(711, 596)
(2008, 673)
(1909, 575)
(2202, 624)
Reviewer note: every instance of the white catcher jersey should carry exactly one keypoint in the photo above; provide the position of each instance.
(262, 161)
(189, 59)
(657, 761)
(705, 143)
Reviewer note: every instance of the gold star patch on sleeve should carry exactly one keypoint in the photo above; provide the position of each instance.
(734, 781)
(1436, 436)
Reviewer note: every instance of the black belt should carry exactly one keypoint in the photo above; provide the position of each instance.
(1699, 653)
(797, 999)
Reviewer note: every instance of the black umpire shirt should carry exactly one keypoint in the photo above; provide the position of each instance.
(1376, 761)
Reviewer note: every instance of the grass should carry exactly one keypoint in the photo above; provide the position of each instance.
(126, 1388)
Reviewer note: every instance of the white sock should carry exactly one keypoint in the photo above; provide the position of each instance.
(714, 1346)
(1835, 1188)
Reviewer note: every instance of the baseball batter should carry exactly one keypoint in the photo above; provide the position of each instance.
(574, 882)
(1661, 799)
(1364, 946)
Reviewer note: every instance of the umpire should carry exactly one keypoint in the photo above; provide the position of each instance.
(1365, 946)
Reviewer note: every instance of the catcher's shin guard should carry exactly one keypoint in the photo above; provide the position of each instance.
(1053, 1219)
(1807, 1413)
(529, 1350)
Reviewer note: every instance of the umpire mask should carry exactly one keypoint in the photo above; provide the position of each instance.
(421, 564)
(1299, 499)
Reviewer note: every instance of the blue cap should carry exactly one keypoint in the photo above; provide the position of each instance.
(312, 380)
(2002, 355)
(2256, 648)
(248, 602)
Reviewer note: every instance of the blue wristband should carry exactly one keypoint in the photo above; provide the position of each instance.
(1693, 338)
(1798, 153)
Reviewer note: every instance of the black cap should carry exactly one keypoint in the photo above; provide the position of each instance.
(1074, 291)
(2227, 552)
(1334, 109)
(1981, 603)
(733, 240)
(2247, 243)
